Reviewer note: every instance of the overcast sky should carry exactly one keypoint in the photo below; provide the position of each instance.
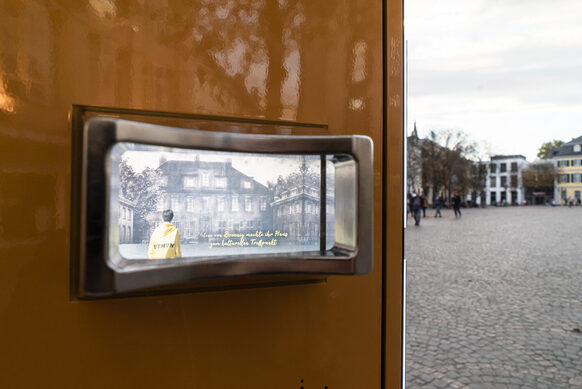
(508, 72)
(261, 167)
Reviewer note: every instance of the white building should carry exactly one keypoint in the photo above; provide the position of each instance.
(504, 184)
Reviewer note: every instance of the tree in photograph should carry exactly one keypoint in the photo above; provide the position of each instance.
(544, 150)
(144, 190)
(302, 178)
(539, 177)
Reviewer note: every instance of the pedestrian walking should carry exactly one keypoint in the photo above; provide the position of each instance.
(438, 203)
(417, 202)
(456, 200)
(424, 205)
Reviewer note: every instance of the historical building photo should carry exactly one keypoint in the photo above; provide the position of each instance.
(222, 203)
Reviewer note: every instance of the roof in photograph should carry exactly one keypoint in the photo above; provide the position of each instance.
(514, 156)
(567, 149)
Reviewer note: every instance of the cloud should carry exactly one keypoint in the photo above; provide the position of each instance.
(507, 71)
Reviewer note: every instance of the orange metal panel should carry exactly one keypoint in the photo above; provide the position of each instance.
(307, 61)
(393, 231)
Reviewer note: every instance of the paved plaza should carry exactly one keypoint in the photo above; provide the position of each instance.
(495, 299)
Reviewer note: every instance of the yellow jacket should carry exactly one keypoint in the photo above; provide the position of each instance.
(165, 242)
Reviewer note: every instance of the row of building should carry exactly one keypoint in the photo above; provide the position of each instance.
(504, 185)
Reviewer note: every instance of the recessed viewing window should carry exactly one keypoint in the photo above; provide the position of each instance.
(184, 205)
(139, 170)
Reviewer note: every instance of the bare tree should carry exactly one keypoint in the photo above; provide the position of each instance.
(445, 161)
(539, 177)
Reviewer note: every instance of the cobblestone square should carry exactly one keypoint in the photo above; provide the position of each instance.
(495, 299)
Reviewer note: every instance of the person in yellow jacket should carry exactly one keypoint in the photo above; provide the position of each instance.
(165, 240)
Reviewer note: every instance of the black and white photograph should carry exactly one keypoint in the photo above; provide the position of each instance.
(171, 202)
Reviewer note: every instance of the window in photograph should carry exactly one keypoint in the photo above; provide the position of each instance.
(577, 162)
(493, 181)
(248, 204)
(493, 168)
(576, 178)
(247, 184)
(514, 167)
(514, 181)
(564, 178)
(234, 206)
(503, 181)
(220, 205)
(189, 182)
(263, 205)
(502, 167)
(205, 179)
(189, 204)
(220, 182)
(174, 203)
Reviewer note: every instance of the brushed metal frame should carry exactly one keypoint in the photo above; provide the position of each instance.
(102, 275)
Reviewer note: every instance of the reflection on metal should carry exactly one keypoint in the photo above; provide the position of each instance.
(359, 65)
(105, 270)
(346, 173)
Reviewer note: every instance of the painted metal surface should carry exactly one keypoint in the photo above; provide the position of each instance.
(308, 61)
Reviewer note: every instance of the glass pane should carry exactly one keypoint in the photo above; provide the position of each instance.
(182, 203)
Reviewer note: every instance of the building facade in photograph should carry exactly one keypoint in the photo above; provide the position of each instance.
(126, 218)
(504, 184)
(297, 211)
(568, 161)
(212, 197)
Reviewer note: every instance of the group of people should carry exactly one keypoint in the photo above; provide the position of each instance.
(418, 203)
